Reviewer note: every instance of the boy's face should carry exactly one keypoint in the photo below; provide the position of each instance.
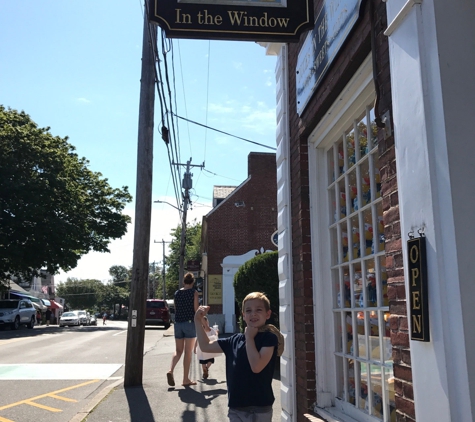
(255, 313)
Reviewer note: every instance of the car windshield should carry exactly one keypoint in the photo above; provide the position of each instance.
(69, 314)
(6, 304)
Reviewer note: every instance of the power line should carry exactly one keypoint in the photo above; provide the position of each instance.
(225, 133)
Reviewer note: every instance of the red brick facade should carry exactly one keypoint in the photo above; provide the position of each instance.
(246, 219)
(356, 48)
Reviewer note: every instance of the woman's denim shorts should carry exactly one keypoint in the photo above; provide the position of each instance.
(185, 329)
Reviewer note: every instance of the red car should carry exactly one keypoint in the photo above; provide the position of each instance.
(157, 313)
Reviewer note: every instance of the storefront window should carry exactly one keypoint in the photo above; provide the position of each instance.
(361, 307)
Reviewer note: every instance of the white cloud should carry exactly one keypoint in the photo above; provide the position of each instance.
(83, 100)
(95, 265)
(221, 108)
(238, 66)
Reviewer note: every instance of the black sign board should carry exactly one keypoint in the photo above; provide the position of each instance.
(240, 20)
(416, 250)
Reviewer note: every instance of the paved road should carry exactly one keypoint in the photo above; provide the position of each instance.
(49, 373)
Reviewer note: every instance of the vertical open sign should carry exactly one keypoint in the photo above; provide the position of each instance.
(416, 250)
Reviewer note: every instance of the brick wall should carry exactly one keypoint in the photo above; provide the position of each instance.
(356, 48)
(235, 230)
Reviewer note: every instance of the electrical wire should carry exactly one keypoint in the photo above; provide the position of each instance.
(226, 133)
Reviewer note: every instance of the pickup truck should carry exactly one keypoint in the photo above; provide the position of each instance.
(15, 312)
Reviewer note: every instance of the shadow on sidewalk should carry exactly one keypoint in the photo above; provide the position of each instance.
(200, 398)
(139, 405)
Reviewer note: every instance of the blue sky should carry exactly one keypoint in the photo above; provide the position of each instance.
(75, 66)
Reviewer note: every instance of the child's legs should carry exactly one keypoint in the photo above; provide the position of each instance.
(244, 416)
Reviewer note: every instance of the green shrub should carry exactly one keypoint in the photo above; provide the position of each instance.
(259, 274)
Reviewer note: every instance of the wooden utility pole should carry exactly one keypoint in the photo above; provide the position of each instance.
(163, 272)
(143, 212)
(187, 184)
(163, 265)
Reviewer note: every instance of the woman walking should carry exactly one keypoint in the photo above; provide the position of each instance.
(186, 304)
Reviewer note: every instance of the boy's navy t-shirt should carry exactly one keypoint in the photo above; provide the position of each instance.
(245, 388)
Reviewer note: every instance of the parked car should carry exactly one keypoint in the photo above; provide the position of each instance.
(15, 312)
(84, 317)
(93, 320)
(157, 313)
(69, 319)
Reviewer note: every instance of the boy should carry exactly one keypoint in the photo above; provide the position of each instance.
(250, 360)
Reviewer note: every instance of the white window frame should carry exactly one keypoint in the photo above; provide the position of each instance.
(354, 98)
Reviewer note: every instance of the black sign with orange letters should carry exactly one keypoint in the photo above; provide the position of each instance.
(240, 20)
(416, 250)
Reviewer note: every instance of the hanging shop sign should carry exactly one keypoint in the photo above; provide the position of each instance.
(240, 20)
(332, 26)
(416, 250)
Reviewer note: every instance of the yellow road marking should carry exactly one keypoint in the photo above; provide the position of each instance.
(54, 396)
(41, 406)
(53, 393)
(5, 420)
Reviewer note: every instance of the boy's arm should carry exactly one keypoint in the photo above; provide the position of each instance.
(201, 336)
(196, 344)
(257, 359)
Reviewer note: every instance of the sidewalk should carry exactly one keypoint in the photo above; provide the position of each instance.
(155, 401)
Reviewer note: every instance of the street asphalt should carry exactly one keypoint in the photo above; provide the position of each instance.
(155, 401)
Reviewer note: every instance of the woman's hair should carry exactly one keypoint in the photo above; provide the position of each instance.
(189, 278)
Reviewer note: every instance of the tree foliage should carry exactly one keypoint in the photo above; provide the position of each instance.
(54, 209)
(192, 252)
(259, 274)
(80, 294)
(121, 276)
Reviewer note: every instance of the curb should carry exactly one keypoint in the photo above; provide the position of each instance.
(80, 416)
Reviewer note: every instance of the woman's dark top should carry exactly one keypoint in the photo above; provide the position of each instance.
(185, 305)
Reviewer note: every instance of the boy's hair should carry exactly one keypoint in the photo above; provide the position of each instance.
(259, 296)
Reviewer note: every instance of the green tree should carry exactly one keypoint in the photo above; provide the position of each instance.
(111, 295)
(54, 209)
(80, 294)
(121, 276)
(192, 252)
(259, 274)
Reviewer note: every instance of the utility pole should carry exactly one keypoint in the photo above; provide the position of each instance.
(187, 184)
(163, 269)
(163, 272)
(143, 211)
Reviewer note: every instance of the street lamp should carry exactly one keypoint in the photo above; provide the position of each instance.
(181, 269)
(171, 205)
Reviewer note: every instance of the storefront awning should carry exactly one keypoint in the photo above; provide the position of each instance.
(37, 303)
(55, 305)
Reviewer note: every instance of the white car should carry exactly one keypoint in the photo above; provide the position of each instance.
(84, 317)
(69, 319)
(15, 312)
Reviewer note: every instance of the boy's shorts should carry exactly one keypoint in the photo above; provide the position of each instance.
(250, 414)
(185, 330)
